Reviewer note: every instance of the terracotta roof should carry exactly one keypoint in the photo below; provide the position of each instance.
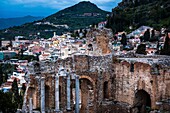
(45, 54)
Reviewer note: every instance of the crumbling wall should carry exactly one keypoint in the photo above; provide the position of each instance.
(113, 82)
(128, 83)
(99, 39)
(103, 43)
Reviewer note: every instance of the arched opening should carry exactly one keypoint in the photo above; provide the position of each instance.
(105, 90)
(87, 95)
(32, 94)
(142, 102)
(47, 96)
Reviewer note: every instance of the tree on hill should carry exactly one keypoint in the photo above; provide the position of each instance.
(23, 90)
(115, 37)
(152, 33)
(153, 37)
(136, 13)
(6, 70)
(166, 48)
(141, 49)
(0, 42)
(7, 105)
(15, 87)
(146, 35)
(1, 75)
(124, 40)
(16, 97)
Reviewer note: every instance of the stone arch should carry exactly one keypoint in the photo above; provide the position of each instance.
(89, 78)
(32, 94)
(142, 101)
(86, 93)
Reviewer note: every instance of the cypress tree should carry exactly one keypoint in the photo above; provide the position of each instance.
(0, 42)
(15, 90)
(141, 49)
(6, 103)
(146, 35)
(124, 40)
(1, 75)
(166, 48)
(152, 33)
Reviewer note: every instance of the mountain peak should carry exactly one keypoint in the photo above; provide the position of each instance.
(77, 11)
(83, 7)
(86, 2)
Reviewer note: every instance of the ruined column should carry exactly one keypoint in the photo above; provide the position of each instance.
(42, 95)
(57, 109)
(30, 105)
(68, 92)
(100, 86)
(88, 101)
(77, 94)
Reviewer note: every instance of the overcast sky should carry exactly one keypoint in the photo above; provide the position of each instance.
(18, 8)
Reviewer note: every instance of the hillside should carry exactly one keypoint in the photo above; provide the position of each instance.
(78, 16)
(154, 13)
(10, 22)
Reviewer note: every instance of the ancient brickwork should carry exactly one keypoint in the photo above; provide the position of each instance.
(106, 83)
(128, 83)
(99, 39)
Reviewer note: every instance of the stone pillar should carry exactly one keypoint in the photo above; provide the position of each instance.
(68, 92)
(42, 95)
(57, 109)
(100, 90)
(100, 85)
(77, 94)
(30, 105)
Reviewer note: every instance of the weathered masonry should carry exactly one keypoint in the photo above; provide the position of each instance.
(99, 84)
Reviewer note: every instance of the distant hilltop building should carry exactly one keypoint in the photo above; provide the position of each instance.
(102, 24)
(17, 38)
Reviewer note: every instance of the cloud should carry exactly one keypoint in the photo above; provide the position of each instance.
(59, 4)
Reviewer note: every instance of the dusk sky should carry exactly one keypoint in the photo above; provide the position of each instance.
(19, 8)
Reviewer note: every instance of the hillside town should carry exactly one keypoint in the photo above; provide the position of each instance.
(84, 59)
(144, 42)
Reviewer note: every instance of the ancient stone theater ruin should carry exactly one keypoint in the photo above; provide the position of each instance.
(99, 83)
